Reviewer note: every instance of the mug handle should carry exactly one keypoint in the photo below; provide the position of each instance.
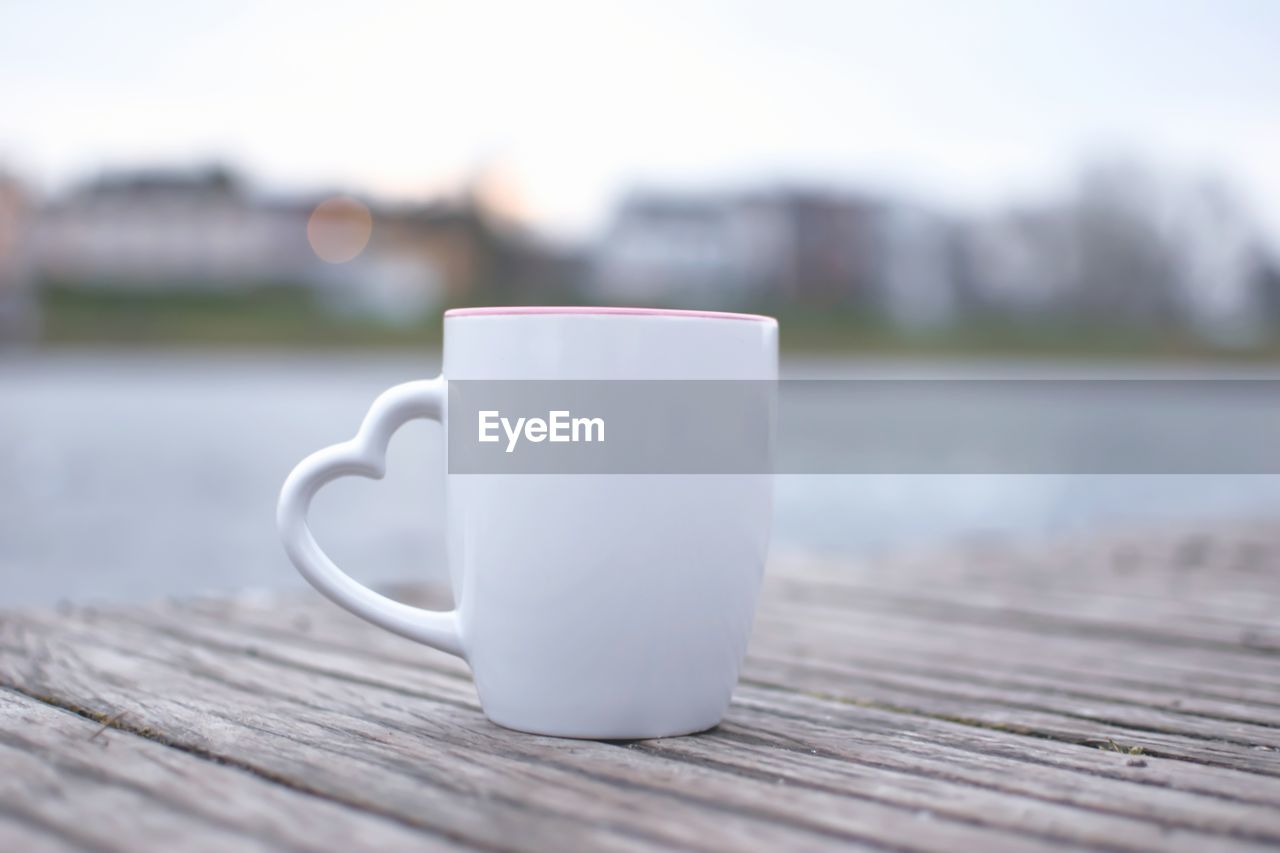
(364, 456)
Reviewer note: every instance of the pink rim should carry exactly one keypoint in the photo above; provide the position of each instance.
(582, 309)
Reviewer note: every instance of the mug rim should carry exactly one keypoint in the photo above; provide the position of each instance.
(544, 310)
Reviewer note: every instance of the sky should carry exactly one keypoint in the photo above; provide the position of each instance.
(568, 105)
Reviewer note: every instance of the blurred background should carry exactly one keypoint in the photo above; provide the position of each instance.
(224, 229)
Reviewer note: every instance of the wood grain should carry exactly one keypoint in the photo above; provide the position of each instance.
(1117, 694)
(102, 786)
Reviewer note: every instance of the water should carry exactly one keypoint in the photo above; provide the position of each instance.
(127, 476)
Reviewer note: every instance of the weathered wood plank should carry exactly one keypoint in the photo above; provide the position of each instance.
(24, 832)
(443, 792)
(1037, 708)
(1182, 676)
(847, 685)
(417, 673)
(900, 677)
(822, 650)
(1039, 612)
(1244, 660)
(1168, 793)
(1086, 666)
(1100, 578)
(1212, 780)
(19, 833)
(111, 789)
(904, 791)
(909, 787)
(375, 739)
(995, 659)
(929, 702)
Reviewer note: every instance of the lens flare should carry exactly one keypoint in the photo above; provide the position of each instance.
(339, 229)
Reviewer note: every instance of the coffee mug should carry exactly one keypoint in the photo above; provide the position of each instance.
(613, 606)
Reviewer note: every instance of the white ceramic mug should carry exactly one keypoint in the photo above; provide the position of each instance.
(588, 605)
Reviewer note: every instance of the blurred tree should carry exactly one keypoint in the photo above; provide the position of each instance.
(1125, 263)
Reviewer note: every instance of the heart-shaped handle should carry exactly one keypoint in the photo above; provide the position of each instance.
(364, 456)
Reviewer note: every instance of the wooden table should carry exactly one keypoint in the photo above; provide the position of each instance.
(1116, 694)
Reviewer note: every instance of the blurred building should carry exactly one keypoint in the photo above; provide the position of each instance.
(784, 246)
(19, 314)
(478, 257)
(1122, 250)
(919, 283)
(170, 230)
(691, 251)
(1020, 262)
(834, 249)
(204, 230)
(418, 258)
